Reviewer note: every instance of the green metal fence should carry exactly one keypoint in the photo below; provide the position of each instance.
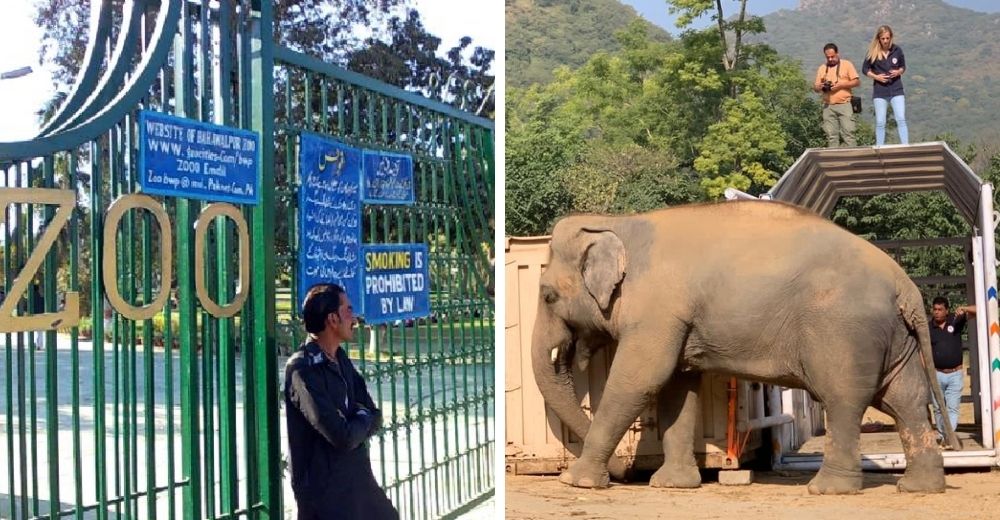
(433, 377)
(177, 414)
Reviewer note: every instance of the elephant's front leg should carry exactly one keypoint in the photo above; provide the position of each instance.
(641, 366)
(678, 411)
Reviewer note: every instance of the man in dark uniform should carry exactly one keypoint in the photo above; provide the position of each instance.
(946, 342)
(330, 417)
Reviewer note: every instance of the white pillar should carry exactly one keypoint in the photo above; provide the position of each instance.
(988, 222)
(985, 401)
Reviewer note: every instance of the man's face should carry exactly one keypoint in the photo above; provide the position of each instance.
(832, 57)
(342, 321)
(939, 312)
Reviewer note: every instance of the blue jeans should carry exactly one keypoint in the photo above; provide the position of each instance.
(898, 111)
(951, 387)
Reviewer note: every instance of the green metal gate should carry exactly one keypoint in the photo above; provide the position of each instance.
(177, 413)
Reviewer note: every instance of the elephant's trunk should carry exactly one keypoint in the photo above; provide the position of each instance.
(553, 368)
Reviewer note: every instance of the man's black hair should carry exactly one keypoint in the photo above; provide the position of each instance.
(941, 300)
(831, 46)
(321, 300)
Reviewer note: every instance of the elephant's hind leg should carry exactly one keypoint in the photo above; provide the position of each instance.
(644, 361)
(906, 400)
(840, 473)
(846, 385)
(678, 412)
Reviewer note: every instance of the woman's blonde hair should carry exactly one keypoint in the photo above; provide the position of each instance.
(874, 48)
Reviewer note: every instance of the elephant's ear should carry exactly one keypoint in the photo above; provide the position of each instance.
(603, 265)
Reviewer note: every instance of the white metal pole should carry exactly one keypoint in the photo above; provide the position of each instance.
(788, 432)
(985, 403)
(990, 270)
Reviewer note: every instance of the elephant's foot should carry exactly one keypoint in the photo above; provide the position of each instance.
(676, 477)
(586, 475)
(924, 474)
(835, 482)
(921, 484)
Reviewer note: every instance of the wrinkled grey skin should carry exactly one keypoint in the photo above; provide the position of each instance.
(758, 290)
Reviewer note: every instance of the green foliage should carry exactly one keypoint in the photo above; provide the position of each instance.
(408, 58)
(535, 152)
(689, 10)
(627, 179)
(907, 216)
(736, 148)
(653, 124)
(324, 28)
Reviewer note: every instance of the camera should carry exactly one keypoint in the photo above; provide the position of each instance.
(827, 86)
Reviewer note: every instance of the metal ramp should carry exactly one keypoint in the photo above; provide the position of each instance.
(817, 181)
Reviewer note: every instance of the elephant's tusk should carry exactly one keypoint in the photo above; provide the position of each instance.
(555, 354)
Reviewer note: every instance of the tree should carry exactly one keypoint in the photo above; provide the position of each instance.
(409, 59)
(399, 51)
(535, 153)
(324, 28)
(628, 179)
(736, 149)
(732, 56)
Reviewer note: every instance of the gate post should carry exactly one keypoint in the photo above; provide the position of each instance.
(265, 370)
(191, 463)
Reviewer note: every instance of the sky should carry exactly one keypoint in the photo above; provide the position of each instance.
(21, 97)
(656, 10)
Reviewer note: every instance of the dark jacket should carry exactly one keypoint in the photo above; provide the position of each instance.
(330, 416)
(894, 59)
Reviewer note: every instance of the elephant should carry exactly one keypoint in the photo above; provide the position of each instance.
(760, 290)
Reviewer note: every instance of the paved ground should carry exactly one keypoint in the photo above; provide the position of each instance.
(416, 446)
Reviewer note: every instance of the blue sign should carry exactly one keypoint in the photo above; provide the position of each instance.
(397, 282)
(388, 178)
(329, 215)
(183, 158)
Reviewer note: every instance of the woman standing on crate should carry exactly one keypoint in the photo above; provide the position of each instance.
(885, 64)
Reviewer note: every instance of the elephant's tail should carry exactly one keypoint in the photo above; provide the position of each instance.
(911, 307)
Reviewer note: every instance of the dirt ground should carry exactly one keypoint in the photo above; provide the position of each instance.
(773, 495)
(777, 495)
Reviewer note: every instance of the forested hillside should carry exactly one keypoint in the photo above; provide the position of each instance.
(544, 34)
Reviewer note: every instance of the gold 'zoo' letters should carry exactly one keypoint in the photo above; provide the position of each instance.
(70, 314)
(200, 230)
(110, 264)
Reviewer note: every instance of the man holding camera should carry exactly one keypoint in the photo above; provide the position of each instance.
(835, 79)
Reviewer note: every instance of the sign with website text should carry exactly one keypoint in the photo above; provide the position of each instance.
(180, 157)
(397, 282)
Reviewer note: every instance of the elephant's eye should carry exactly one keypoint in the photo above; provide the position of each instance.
(550, 295)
